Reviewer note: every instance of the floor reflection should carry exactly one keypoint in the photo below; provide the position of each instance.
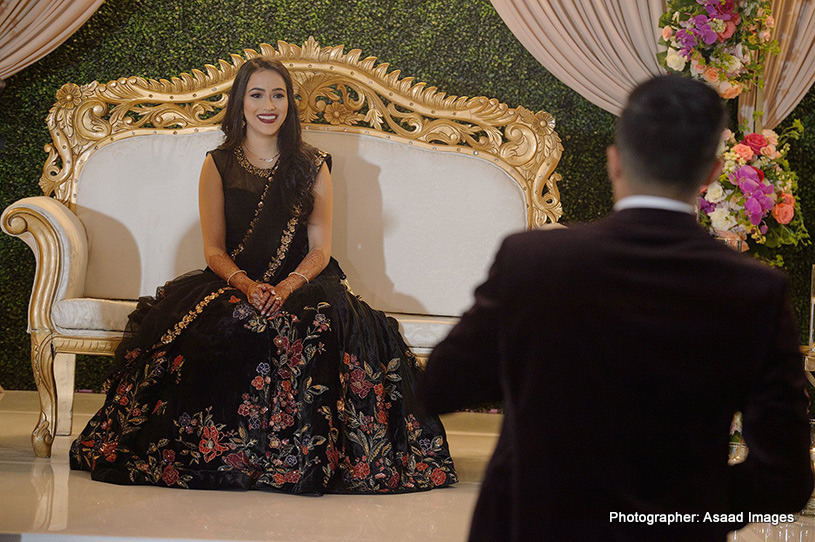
(45, 496)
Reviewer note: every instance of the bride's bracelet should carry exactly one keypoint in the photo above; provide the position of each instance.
(301, 275)
(233, 274)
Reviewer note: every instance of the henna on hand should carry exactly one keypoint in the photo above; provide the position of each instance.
(263, 297)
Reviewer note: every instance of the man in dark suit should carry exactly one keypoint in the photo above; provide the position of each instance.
(621, 350)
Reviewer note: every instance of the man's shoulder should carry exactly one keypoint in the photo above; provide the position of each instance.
(552, 236)
(753, 273)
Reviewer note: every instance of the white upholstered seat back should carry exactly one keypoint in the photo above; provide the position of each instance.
(138, 200)
(414, 229)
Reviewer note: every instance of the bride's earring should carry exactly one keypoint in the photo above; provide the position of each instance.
(243, 122)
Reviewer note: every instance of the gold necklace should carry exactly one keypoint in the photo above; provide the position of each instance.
(268, 161)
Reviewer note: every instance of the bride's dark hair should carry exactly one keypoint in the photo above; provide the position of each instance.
(296, 156)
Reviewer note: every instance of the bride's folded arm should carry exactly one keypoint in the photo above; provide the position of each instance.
(213, 232)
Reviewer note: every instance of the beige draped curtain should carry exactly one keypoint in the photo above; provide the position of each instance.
(602, 50)
(30, 29)
(789, 74)
(599, 49)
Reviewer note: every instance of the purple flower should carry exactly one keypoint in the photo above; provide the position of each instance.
(757, 204)
(718, 9)
(703, 30)
(745, 173)
(706, 207)
(754, 211)
(685, 38)
(757, 201)
(687, 41)
(749, 186)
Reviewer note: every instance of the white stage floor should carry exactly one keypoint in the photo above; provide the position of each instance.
(43, 497)
(42, 500)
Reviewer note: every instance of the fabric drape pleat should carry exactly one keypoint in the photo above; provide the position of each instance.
(30, 29)
(788, 75)
(601, 50)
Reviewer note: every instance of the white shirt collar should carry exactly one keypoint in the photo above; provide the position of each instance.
(654, 202)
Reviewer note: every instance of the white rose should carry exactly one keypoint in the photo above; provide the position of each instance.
(674, 60)
(733, 64)
(722, 220)
(715, 192)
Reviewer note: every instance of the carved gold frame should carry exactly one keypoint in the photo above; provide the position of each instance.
(338, 92)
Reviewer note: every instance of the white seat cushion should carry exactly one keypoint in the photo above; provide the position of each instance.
(82, 314)
(421, 332)
(87, 313)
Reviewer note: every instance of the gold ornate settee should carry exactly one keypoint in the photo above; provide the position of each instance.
(426, 185)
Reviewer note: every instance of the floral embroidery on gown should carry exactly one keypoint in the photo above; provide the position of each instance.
(207, 393)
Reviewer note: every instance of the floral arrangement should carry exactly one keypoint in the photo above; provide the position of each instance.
(755, 199)
(721, 42)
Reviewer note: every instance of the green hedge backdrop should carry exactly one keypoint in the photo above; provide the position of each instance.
(460, 46)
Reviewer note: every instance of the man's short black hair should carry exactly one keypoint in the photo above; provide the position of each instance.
(669, 132)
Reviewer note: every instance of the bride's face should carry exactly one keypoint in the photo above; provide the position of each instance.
(265, 103)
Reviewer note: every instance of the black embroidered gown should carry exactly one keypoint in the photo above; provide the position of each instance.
(209, 394)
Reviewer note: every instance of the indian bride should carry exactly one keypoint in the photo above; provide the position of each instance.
(263, 371)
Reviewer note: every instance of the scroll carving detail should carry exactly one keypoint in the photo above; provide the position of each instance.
(336, 90)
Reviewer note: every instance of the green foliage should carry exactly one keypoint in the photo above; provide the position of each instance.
(460, 46)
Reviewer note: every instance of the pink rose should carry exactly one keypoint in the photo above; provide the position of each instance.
(770, 152)
(770, 136)
(729, 30)
(743, 151)
(765, 36)
(667, 32)
(755, 141)
(787, 199)
(769, 21)
(711, 74)
(728, 90)
(783, 213)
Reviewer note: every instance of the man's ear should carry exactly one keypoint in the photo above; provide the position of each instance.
(614, 166)
(715, 172)
(613, 163)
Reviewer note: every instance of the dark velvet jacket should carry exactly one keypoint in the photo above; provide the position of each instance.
(621, 350)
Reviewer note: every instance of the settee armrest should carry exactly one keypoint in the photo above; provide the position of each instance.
(60, 246)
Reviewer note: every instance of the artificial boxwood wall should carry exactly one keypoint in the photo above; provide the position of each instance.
(460, 46)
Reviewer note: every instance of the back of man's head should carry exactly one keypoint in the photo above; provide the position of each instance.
(669, 132)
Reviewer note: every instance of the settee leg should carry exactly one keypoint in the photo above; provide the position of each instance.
(64, 373)
(42, 363)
